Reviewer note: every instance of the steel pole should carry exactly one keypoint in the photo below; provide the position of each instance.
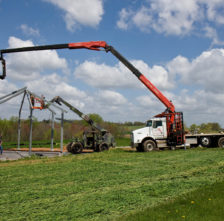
(62, 126)
(52, 131)
(19, 122)
(31, 128)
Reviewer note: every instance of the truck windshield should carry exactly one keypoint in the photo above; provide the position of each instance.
(149, 123)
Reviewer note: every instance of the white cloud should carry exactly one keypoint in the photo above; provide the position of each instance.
(110, 104)
(142, 18)
(53, 85)
(123, 22)
(6, 87)
(29, 31)
(111, 97)
(103, 76)
(179, 65)
(215, 10)
(212, 34)
(80, 12)
(148, 101)
(173, 17)
(118, 76)
(29, 65)
(198, 107)
(107, 103)
(205, 70)
(11, 107)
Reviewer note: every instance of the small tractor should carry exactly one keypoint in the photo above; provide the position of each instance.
(95, 138)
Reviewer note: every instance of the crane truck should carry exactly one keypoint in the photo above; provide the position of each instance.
(95, 138)
(163, 130)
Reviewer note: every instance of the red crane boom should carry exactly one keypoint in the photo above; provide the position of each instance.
(94, 45)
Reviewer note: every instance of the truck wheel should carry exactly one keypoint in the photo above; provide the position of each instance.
(76, 148)
(149, 145)
(205, 141)
(102, 147)
(68, 147)
(221, 142)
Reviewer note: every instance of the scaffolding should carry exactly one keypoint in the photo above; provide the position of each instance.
(35, 102)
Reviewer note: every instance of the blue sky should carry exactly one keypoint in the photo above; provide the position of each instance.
(178, 45)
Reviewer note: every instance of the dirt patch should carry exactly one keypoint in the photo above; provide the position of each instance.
(39, 149)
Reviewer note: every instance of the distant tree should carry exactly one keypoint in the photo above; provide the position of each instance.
(203, 128)
(209, 127)
(194, 128)
(128, 123)
(138, 123)
(215, 126)
(46, 121)
(14, 119)
(95, 117)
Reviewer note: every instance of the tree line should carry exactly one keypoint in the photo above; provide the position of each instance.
(41, 130)
(74, 128)
(205, 128)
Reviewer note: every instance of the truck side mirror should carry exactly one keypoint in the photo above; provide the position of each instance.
(3, 75)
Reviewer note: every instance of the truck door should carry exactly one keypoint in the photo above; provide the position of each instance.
(157, 129)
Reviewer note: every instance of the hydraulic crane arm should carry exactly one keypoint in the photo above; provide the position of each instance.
(94, 45)
(85, 117)
(169, 105)
(102, 44)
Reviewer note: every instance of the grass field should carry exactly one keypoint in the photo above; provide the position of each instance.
(107, 185)
(203, 204)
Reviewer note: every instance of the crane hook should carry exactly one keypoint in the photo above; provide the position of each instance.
(3, 68)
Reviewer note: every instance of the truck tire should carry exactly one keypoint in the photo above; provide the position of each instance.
(205, 141)
(102, 147)
(68, 147)
(149, 145)
(76, 147)
(221, 142)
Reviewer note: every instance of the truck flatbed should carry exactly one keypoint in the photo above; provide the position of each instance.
(205, 140)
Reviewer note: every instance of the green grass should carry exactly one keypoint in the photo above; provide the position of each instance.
(123, 141)
(103, 186)
(203, 204)
(131, 128)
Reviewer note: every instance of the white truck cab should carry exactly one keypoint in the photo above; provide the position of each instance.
(151, 136)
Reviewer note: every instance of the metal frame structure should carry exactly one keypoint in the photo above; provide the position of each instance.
(47, 105)
(32, 106)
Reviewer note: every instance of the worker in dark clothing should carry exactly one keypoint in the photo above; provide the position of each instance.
(1, 148)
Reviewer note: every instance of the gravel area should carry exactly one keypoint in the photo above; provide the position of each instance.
(15, 155)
